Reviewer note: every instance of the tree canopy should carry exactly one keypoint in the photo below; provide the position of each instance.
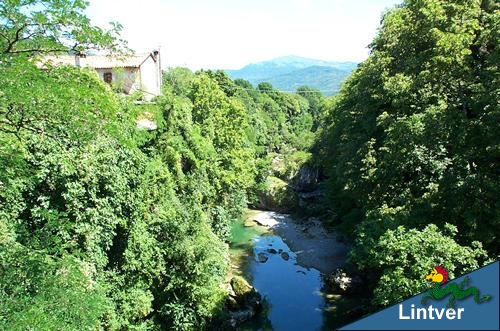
(47, 26)
(412, 139)
(105, 226)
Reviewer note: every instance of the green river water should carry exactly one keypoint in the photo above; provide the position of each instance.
(294, 296)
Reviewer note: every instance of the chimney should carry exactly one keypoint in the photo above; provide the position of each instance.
(78, 57)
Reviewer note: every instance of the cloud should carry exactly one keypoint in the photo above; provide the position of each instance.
(229, 34)
(302, 4)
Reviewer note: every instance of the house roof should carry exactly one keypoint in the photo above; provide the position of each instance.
(101, 61)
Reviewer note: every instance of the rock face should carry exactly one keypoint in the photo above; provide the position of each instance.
(277, 195)
(265, 219)
(244, 301)
(306, 179)
(340, 282)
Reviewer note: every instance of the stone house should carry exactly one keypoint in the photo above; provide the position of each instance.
(134, 73)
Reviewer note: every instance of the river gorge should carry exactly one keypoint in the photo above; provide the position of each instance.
(288, 262)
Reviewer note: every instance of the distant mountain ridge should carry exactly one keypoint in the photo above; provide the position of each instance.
(287, 73)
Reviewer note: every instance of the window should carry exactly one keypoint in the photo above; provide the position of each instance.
(108, 77)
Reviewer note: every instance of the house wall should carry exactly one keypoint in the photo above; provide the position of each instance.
(150, 75)
(126, 78)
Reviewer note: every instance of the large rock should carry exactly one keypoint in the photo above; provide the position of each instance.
(265, 219)
(262, 257)
(146, 124)
(244, 301)
(277, 195)
(272, 251)
(240, 286)
(245, 294)
(306, 179)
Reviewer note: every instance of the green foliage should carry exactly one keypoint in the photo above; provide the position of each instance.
(238, 128)
(41, 26)
(316, 103)
(80, 197)
(48, 101)
(178, 80)
(45, 293)
(403, 256)
(410, 143)
(102, 225)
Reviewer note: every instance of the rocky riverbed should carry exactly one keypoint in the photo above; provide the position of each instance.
(315, 246)
(290, 263)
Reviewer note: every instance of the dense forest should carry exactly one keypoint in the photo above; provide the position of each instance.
(412, 147)
(104, 226)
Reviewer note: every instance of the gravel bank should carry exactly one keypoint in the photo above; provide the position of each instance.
(314, 245)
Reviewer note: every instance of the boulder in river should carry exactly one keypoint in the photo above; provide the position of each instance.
(265, 219)
(262, 257)
(240, 286)
(272, 251)
(245, 294)
(244, 301)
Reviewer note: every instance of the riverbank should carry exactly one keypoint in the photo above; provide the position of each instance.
(315, 246)
(287, 261)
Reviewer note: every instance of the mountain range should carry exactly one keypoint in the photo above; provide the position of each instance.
(287, 73)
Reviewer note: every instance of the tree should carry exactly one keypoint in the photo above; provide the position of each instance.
(43, 26)
(316, 103)
(412, 125)
(179, 80)
(403, 256)
(63, 102)
(40, 291)
(411, 138)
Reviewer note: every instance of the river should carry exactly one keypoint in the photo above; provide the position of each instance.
(286, 264)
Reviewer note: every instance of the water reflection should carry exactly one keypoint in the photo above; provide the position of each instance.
(292, 292)
(293, 298)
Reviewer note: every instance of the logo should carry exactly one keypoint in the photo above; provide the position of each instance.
(438, 276)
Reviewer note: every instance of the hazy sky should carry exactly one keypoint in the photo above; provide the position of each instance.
(228, 34)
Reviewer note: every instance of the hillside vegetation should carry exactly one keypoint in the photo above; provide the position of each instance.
(107, 227)
(102, 225)
(412, 149)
